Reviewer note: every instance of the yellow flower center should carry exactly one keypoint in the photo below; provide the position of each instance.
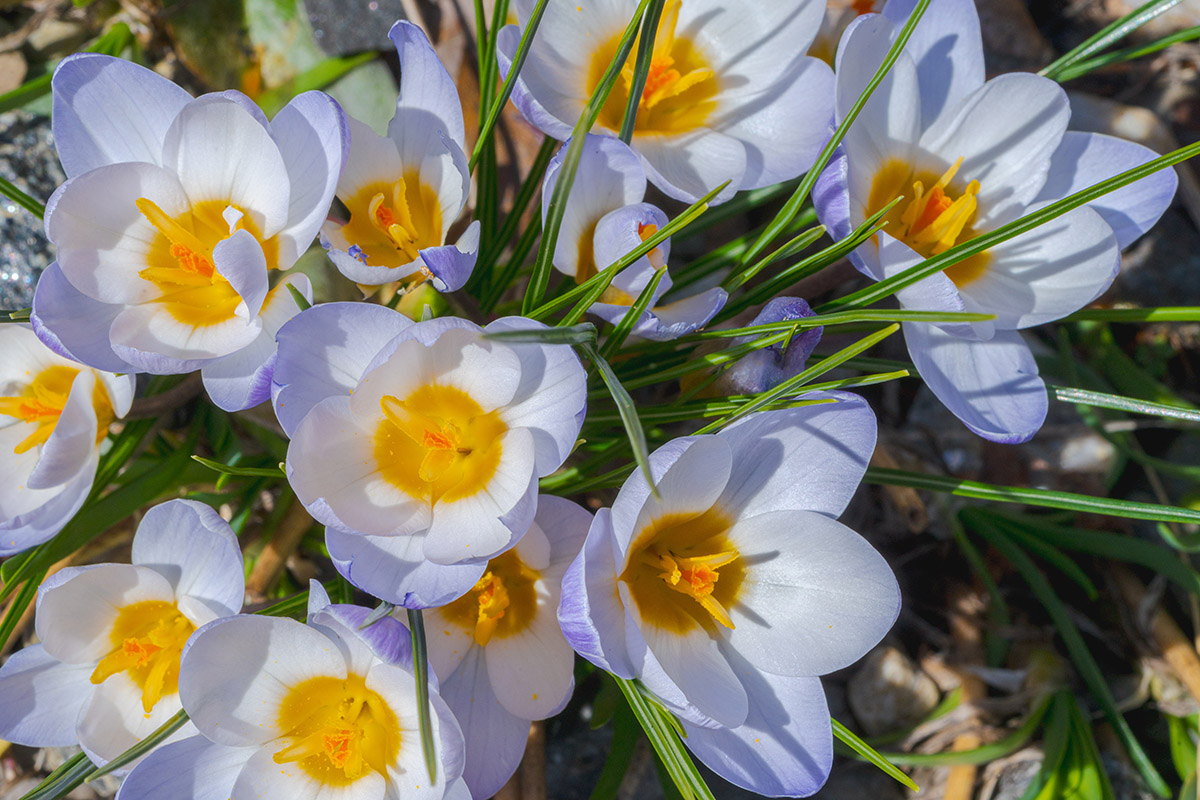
(437, 443)
(42, 400)
(680, 87)
(501, 603)
(932, 220)
(147, 639)
(180, 261)
(683, 572)
(337, 730)
(391, 223)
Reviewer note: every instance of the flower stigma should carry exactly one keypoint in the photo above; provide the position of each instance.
(42, 400)
(438, 443)
(338, 730)
(680, 87)
(391, 223)
(148, 639)
(930, 221)
(501, 603)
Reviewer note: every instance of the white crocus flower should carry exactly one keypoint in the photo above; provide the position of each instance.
(404, 190)
(54, 414)
(175, 214)
(420, 445)
(730, 593)
(106, 671)
(731, 96)
(968, 156)
(323, 711)
(498, 649)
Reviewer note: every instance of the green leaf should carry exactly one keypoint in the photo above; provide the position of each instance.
(665, 741)
(497, 106)
(1109, 35)
(641, 69)
(628, 412)
(240, 472)
(1116, 401)
(867, 753)
(566, 174)
(9, 190)
(1034, 497)
(1161, 314)
(794, 203)
(160, 735)
(980, 755)
(935, 264)
(582, 334)
(620, 754)
(1181, 731)
(316, 78)
(621, 332)
(416, 627)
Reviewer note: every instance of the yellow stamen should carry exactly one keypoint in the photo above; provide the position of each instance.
(694, 576)
(148, 639)
(42, 400)
(500, 603)
(390, 223)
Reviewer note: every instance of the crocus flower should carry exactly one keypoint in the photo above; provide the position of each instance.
(770, 366)
(405, 189)
(730, 95)
(605, 219)
(175, 212)
(728, 595)
(106, 671)
(969, 156)
(287, 710)
(54, 414)
(498, 651)
(419, 445)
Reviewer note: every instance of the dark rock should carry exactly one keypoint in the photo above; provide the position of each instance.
(351, 26)
(28, 159)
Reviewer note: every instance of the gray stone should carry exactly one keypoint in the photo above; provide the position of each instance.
(351, 26)
(28, 159)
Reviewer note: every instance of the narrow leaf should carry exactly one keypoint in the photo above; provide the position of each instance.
(416, 627)
(868, 754)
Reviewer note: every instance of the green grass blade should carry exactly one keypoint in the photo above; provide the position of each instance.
(889, 286)
(540, 278)
(628, 412)
(1034, 497)
(416, 627)
(617, 338)
(9, 190)
(63, 780)
(506, 88)
(583, 334)
(160, 735)
(1121, 403)
(789, 249)
(665, 742)
(1163, 314)
(641, 69)
(620, 754)
(868, 754)
(239, 472)
(1084, 66)
(1109, 35)
(794, 203)
(840, 318)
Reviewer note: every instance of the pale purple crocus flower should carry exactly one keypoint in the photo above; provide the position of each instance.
(733, 590)
(175, 214)
(969, 156)
(404, 190)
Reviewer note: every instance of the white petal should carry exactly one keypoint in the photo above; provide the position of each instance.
(114, 721)
(590, 612)
(262, 777)
(688, 166)
(40, 698)
(72, 444)
(394, 569)
(192, 768)
(532, 671)
(151, 338)
(425, 86)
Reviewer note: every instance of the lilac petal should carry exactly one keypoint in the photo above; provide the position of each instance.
(992, 386)
(108, 110)
(387, 639)
(590, 610)
(42, 523)
(324, 351)
(40, 698)
(425, 85)
(240, 260)
(811, 457)
(507, 42)
(831, 196)
(451, 265)
(192, 768)
(766, 368)
(1085, 159)
(393, 569)
(73, 441)
(74, 325)
(785, 746)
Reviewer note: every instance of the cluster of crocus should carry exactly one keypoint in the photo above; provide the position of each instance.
(724, 584)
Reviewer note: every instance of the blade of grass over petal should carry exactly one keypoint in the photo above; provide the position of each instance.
(798, 198)
(299, 297)
(1045, 498)
(628, 412)
(1109, 35)
(594, 286)
(9, 190)
(1121, 403)
(641, 69)
(889, 286)
(665, 741)
(160, 735)
(582, 334)
(820, 368)
(416, 627)
(617, 338)
(1077, 649)
(841, 318)
(540, 278)
(506, 88)
(868, 754)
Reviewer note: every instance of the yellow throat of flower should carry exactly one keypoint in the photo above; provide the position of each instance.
(680, 88)
(42, 400)
(437, 443)
(180, 261)
(682, 572)
(502, 602)
(929, 220)
(390, 223)
(147, 640)
(337, 730)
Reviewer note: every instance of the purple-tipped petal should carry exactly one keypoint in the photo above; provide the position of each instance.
(451, 265)
(40, 698)
(507, 42)
(590, 610)
(424, 83)
(766, 368)
(193, 768)
(74, 325)
(42, 523)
